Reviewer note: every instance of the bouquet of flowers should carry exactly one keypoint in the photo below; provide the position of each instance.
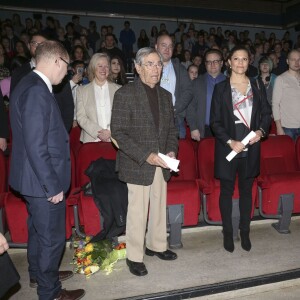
(92, 257)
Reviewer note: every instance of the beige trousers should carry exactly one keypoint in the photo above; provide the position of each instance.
(139, 198)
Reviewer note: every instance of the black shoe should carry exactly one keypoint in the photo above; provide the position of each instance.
(245, 240)
(228, 241)
(166, 255)
(136, 268)
(62, 275)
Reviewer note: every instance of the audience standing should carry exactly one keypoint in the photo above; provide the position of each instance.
(286, 95)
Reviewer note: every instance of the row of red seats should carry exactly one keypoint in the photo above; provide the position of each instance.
(278, 157)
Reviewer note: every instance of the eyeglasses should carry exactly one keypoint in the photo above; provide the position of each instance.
(35, 44)
(212, 62)
(64, 61)
(152, 65)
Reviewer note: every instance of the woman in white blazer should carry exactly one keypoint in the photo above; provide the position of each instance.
(95, 100)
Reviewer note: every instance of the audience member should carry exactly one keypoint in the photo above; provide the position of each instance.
(4, 131)
(286, 95)
(144, 109)
(186, 62)
(193, 71)
(22, 50)
(153, 36)
(175, 80)
(198, 112)
(93, 35)
(127, 39)
(178, 52)
(117, 71)
(282, 64)
(143, 40)
(94, 116)
(264, 69)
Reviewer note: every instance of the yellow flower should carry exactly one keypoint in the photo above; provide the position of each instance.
(89, 248)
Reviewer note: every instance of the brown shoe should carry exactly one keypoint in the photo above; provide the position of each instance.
(70, 295)
(63, 275)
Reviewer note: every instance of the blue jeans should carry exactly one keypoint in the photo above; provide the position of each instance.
(292, 132)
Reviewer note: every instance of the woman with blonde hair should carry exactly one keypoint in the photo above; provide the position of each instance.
(95, 100)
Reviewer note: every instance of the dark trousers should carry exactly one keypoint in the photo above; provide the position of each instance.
(46, 243)
(245, 201)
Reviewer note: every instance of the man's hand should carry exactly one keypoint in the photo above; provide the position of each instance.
(279, 129)
(3, 144)
(195, 135)
(104, 135)
(3, 244)
(171, 154)
(154, 160)
(57, 198)
(77, 78)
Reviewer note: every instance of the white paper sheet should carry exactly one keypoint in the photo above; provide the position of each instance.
(245, 141)
(171, 162)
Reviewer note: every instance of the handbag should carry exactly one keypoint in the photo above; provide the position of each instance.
(8, 274)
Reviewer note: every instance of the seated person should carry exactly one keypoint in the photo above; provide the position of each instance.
(95, 100)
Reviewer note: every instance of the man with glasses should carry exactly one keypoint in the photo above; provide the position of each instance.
(40, 168)
(198, 111)
(175, 79)
(62, 91)
(142, 125)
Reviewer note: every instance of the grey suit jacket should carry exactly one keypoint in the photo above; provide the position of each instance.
(86, 113)
(196, 111)
(183, 89)
(133, 128)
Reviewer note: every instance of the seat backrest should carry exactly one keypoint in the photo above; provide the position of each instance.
(298, 153)
(206, 158)
(278, 155)
(89, 152)
(75, 143)
(3, 173)
(187, 166)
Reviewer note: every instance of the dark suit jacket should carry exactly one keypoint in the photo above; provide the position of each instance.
(40, 162)
(63, 94)
(183, 89)
(4, 132)
(133, 128)
(223, 126)
(196, 111)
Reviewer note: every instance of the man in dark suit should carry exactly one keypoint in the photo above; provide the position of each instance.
(142, 125)
(62, 91)
(40, 167)
(175, 79)
(198, 111)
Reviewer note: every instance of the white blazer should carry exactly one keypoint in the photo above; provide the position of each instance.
(86, 113)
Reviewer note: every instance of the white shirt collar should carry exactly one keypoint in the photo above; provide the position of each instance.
(45, 79)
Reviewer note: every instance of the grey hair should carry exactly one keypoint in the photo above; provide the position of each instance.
(143, 52)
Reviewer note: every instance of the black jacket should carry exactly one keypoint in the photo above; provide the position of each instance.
(110, 196)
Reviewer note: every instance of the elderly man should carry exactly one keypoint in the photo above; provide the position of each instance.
(198, 111)
(143, 125)
(41, 169)
(175, 79)
(286, 95)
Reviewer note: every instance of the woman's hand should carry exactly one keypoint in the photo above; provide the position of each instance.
(237, 146)
(104, 135)
(257, 138)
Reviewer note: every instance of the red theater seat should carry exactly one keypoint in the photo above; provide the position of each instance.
(3, 173)
(182, 188)
(75, 143)
(88, 212)
(298, 153)
(279, 174)
(210, 186)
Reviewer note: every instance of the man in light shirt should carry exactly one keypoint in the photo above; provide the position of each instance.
(286, 96)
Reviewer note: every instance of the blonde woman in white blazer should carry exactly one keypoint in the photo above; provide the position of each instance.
(95, 100)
